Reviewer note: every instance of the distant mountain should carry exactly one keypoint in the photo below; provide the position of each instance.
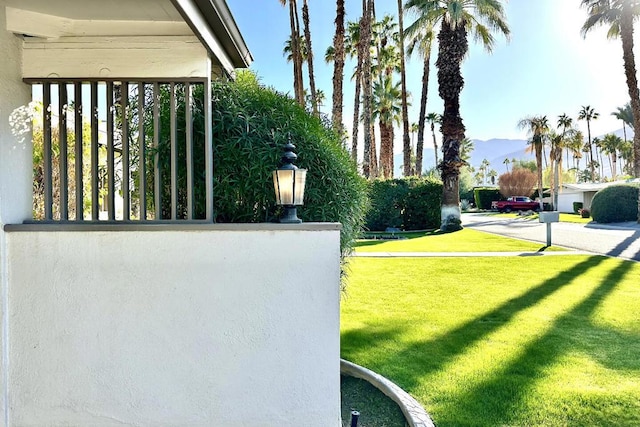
(495, 150)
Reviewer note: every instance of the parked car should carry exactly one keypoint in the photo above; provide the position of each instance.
(515, 203)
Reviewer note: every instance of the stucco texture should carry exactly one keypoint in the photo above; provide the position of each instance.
(174, 328)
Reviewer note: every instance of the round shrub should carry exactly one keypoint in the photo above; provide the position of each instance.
(617, 203)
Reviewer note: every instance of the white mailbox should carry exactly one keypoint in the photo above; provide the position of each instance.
(549, 216)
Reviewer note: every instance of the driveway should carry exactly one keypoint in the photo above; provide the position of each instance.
(617, 240)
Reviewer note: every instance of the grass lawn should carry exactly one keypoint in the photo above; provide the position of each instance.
(544, 341)
(465, 240)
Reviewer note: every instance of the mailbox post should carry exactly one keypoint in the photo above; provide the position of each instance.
(548, 218)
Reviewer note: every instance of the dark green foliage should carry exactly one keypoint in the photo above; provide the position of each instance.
(386, 198)
(577, 206)
(408, 204)
(484, 196)
(250, 126)
(421, 208)
(617, 203)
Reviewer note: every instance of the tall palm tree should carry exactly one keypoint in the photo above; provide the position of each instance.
(414, 131)
(434, 118)
(338, 68)
(456, 18)
(406, 146)
(612, 144)
(354, 48)
(365, 42)
(506, 162)
(420, 40)
(296, 50)
(287, 50)
(587, 113)
(307, 38)
(565, 122)
(538, 128)
(626, 115)
(387, 110)
(619, 16)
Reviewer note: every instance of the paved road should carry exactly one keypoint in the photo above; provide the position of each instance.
(619, 240)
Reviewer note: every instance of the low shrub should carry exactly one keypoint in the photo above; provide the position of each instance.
(617, 203)
(484, 196)
(408, 204)
(577, 206)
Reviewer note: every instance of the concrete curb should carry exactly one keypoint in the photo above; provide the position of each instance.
(414, 412)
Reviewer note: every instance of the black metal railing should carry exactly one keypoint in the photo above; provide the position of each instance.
(123, 150)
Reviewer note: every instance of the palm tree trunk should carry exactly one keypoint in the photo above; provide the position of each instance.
(356, 110)
(453, 46)
(374, 169)
(365, 27)
(591, 164)
(435, 144)
(423, 113)
(626, 34)
(405, 111)
(539, 164)
(338, 70)
(307, 37)
(384, 150)
(298, 84)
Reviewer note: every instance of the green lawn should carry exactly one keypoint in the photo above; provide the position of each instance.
(522, 341)
(465, 240)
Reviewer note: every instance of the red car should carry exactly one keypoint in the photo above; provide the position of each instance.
(515, 203)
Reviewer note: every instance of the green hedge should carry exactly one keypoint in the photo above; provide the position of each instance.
(484, 196)
(617, 203)
(407, 204)
(577, 206)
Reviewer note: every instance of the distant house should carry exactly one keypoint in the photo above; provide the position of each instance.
(582, 193)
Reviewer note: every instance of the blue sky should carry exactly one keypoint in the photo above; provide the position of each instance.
(546, 68)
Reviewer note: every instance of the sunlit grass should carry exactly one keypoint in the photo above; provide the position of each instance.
(466, 240)
(542, 341)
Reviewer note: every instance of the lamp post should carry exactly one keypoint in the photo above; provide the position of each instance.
(288, 183)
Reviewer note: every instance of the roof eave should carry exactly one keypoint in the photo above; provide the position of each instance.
(212, 22)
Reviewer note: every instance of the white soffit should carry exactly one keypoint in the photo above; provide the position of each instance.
(38, 24)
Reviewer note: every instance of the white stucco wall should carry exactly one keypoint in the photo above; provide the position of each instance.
(15, 152)
(174, 328)
(15, 167)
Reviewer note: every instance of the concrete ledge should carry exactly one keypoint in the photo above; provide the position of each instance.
(87, 226)
(414, 412)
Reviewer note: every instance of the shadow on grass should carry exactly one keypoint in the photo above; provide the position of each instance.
(572, 331)
(422, 358)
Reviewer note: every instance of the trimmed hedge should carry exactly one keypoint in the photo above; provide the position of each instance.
(484, 197)
(617, 203)
(577, 207)
(408, 204)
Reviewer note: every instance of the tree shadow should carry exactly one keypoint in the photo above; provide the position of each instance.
(424, 357)
(566, 333)
(620, 247)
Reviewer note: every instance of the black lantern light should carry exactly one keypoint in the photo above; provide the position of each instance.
(288, 182)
